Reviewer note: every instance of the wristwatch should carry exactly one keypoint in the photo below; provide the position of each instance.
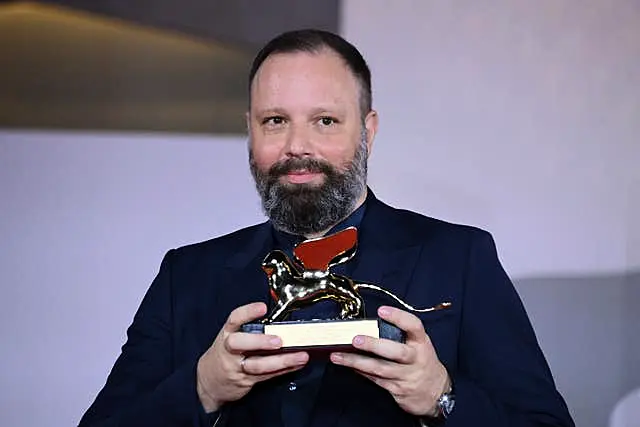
(445, 404)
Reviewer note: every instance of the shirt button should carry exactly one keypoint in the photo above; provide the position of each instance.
(293, 386)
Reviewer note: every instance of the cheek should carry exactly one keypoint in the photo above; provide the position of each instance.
(263, 156)
(339, 156)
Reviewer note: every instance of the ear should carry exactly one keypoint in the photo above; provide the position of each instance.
(247, 118)
(371, 125)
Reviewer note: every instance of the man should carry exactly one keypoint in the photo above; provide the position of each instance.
(311, 129)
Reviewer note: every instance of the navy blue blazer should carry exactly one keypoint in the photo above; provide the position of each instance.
(485, 339)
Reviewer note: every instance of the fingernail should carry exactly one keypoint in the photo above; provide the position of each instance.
(337, 357)
(384, 311)
(302, 358)
(358, 340)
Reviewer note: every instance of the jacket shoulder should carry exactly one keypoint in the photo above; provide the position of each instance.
(220, 246)
(422, 226)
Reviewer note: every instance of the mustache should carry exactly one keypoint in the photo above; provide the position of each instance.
(292, 164)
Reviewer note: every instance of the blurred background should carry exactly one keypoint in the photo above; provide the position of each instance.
(122, 135)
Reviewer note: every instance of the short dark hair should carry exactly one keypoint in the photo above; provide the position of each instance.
(313, 41)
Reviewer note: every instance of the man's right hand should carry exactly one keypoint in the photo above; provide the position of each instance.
(224, 374)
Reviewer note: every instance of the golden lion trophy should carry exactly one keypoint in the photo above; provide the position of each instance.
(308, 280)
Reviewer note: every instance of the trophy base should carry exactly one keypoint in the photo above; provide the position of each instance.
(325, 335)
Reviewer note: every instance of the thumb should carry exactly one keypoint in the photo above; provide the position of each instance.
(244, 314)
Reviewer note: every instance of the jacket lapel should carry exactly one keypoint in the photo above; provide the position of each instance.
(390, 269)
(387, 255)
(242, 281)
(243, 278)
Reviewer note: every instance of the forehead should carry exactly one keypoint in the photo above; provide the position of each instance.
(299, 78)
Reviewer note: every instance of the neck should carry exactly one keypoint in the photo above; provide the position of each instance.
(359, 203)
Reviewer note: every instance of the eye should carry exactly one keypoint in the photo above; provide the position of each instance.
(328, 121)
(273, 120)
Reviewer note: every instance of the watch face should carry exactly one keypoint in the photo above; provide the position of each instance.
(446, 403)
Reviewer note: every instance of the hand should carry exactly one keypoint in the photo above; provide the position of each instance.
(411, 372)
(224, 374)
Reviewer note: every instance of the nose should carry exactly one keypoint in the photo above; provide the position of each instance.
(298, 142)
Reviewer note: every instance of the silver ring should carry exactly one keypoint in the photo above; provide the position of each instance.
(242, 360)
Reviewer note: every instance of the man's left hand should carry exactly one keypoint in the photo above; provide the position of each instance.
(411, 372)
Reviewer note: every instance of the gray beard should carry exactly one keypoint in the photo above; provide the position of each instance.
(304, 209)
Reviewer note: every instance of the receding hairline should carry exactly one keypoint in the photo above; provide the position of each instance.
(317, 50)
(322, 50)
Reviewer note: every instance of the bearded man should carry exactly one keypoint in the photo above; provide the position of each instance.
(311, 129)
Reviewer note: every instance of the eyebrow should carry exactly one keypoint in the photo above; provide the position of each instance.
(315, 111)
(270, 112)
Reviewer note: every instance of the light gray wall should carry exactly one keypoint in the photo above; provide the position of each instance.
(84, 222)
(520, 116)
(633, 209)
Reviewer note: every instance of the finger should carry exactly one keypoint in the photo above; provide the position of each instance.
(240, 342)
(274, 364)
(259, 378)
(244, 314)
(404, 320)
(369, 365)
(385, 348)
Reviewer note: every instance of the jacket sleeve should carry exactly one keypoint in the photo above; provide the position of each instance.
(144, 388)
(502, 378)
